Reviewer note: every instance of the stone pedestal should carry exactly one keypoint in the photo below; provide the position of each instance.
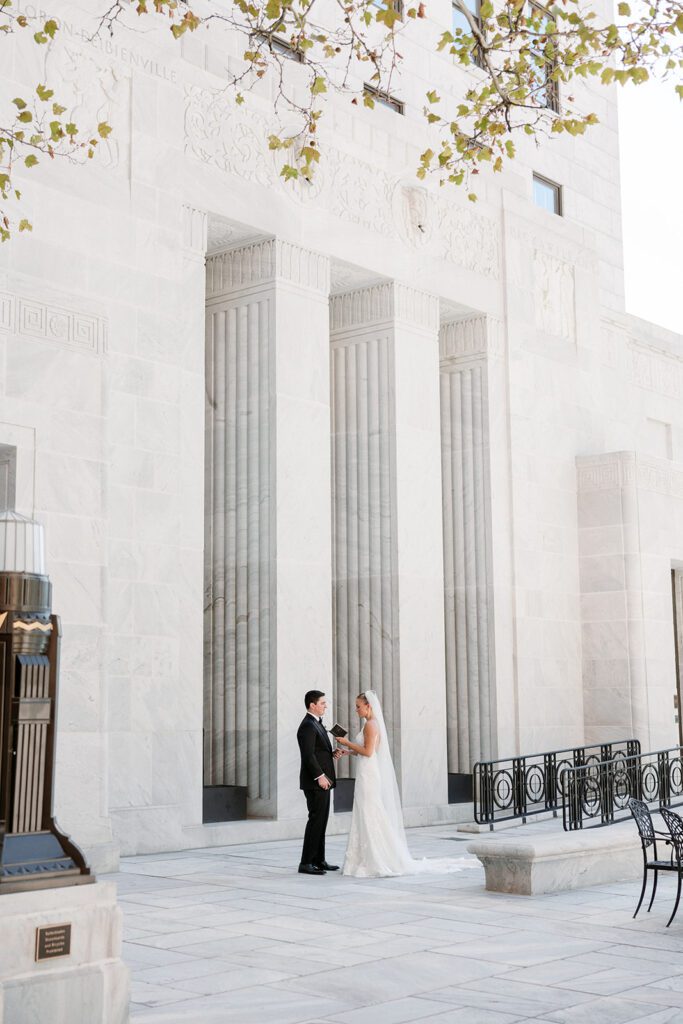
(90, 985)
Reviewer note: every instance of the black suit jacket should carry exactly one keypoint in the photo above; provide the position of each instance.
(316, 753)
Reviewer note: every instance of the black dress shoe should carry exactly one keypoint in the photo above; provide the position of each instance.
(327, 867)
(310, 869)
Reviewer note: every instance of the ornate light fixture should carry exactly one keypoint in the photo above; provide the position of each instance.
(34, 853)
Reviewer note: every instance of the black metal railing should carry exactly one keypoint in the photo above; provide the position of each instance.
(598, 794)
(519, 787)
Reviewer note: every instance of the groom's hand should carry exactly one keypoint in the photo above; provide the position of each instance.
(339, 753)
(324, 782)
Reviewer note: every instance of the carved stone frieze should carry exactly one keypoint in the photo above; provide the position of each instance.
(655, 371)
(554, 294)
(383, 304)
(629, 469)
(93, 90)
(356, 191)
(470, 338)
(265, 261)
(35, 319)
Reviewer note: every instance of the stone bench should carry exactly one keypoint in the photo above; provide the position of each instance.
(554, 860)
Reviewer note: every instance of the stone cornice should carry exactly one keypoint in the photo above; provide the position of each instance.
(474, 337)
(616, 470)
(384, 305)
(265, 262)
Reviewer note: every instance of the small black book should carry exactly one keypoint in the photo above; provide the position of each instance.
(337, 730)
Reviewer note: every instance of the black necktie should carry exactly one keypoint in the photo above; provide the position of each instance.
(321, 722)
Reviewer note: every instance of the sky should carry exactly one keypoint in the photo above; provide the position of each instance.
(651, 131)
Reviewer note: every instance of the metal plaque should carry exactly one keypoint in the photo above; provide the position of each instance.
(53, 941)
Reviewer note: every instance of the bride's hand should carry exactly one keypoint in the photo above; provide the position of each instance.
(343, 740)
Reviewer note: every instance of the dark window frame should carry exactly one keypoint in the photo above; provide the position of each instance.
(384, 99)
(277, 44)
(557, 192)
(399, 7)
(476, 52)
(552, 87)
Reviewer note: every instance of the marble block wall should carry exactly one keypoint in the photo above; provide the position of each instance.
(388, 560)
(631, 535)
(268, 531)
(58, 430)
(551, 327)
(155, 425)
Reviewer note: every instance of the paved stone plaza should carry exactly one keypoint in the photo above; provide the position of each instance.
(234, 935)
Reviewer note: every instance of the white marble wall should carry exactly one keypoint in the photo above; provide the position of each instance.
(59, 430)
(631, 533)
(388, 569)
(268, 634)
(551, 328)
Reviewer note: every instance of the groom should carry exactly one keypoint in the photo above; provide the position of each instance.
(317, 778)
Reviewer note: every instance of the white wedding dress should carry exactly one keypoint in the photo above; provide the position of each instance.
(377, 844)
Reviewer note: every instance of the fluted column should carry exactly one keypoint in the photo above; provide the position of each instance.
(388, 564)
(267, 609)
(467, 347)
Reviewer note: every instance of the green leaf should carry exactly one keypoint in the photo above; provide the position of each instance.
(104, 129)
(44, 93)
(50, 27)
(56, 109)
(624, 10)
(25, 225)
(25, 117)
(433, 96)
(319, 85)
(19, 103)
(31, 160)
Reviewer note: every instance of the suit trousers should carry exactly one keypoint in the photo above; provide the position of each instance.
(318, 801)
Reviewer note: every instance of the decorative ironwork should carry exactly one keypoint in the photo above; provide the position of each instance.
(520, 787)
(598, 793)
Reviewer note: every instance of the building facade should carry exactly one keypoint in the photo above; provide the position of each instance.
(352, 433)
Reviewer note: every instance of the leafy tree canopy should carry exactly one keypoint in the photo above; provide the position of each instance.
(524, 57)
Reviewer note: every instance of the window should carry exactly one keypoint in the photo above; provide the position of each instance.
(459, 21)
(279, 45)
(8, 476)
(548, 94)
(383, 98)
(547, 195)
(396, 4)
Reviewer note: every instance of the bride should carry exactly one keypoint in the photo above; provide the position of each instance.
(377, 840)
